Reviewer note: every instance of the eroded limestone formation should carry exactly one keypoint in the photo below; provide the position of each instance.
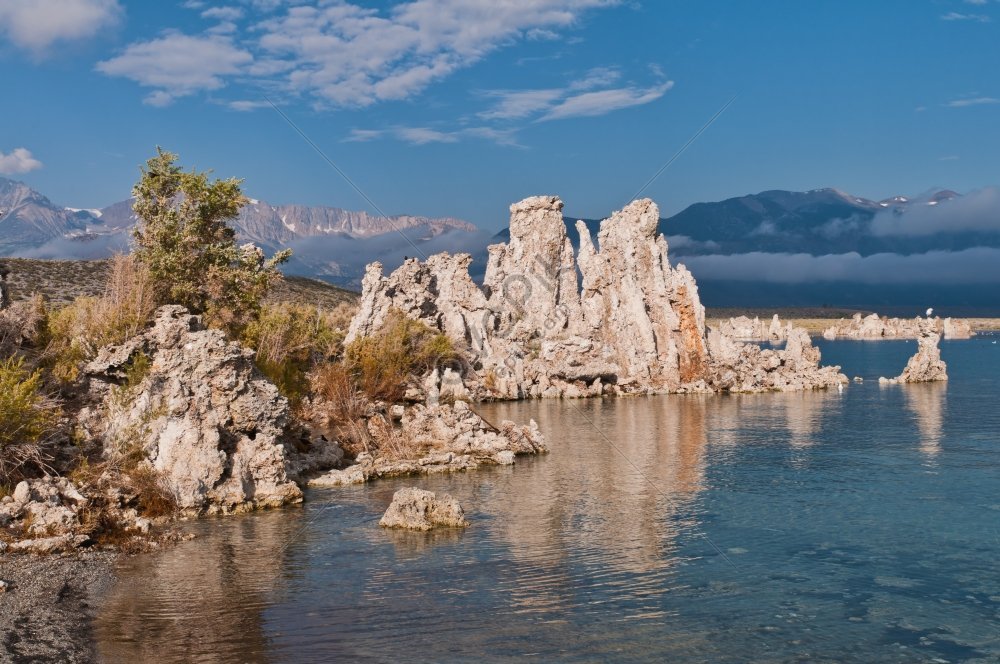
(436, 439)
(740, 367)
(875, 327)
(743, 328)
(631, 323)
(416, 509)
(926, 364)
(201, 414)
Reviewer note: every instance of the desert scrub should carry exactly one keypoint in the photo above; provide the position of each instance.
(22, 324)
(78, 330)
(28, 419)
(289, 340)
(184, 239)
(404, 348)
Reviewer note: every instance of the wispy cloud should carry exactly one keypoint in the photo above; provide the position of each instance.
(176, 64)
(19, 160)
(589, 95)
(950, 157)
(958, 16)
(972, 101)
(602, 102)
(38, 24)
(427, 135)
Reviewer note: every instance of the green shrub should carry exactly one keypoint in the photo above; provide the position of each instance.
(184, 239)
(27, 419)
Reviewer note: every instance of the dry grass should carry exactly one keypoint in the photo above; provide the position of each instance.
(21, 324)
(291, 339)
(404, 348)
(78, 330)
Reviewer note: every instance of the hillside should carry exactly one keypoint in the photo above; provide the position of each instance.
(62, 281)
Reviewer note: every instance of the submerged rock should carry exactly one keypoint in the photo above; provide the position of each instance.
(633, 325)
(202, 415)
(926, 364)
(416, 509)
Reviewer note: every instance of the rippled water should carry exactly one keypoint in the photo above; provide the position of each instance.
(862, 526)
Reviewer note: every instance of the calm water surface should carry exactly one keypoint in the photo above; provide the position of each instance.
(818, 527)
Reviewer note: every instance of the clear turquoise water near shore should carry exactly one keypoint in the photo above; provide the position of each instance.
(861, 526)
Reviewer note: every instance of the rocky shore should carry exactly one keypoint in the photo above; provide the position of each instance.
(46, 605)
(876, 327)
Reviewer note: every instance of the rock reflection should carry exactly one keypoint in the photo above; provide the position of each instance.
(927, 402)
(799, 415)
(612, 513)
(201, 600)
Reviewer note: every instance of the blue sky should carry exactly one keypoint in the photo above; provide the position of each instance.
(460, 107)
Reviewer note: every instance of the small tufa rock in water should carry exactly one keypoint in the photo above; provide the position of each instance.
(416, 509)
(926, 364)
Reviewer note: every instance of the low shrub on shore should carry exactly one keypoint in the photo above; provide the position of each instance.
(28, 419)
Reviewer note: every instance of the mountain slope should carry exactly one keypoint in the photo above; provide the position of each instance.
(271, 225)
(27, 218)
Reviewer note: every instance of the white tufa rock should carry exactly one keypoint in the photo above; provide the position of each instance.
(634, 324)
(415, 509)
(926, 364)
(873, 326)
(203, 415)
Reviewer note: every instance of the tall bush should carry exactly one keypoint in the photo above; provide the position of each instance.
(185, 240)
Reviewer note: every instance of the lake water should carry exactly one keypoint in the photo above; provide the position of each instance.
(813, 527)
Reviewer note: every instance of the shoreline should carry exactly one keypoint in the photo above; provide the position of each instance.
(47, 610)
(816, 326)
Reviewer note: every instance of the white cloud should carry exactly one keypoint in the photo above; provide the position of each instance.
(223, 13)
(973, 101)
(977, 2)
(37, 24)
(968, 266)
(976, 211)
(516, 104)
(427, 135)
(602, 102)
(20, 160)
(579, 98)
(347, 55)
(958, 16)
(177, 64)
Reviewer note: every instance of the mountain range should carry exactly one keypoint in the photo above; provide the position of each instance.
(774, 248)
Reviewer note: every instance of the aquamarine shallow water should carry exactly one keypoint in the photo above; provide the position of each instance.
(817, 527)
